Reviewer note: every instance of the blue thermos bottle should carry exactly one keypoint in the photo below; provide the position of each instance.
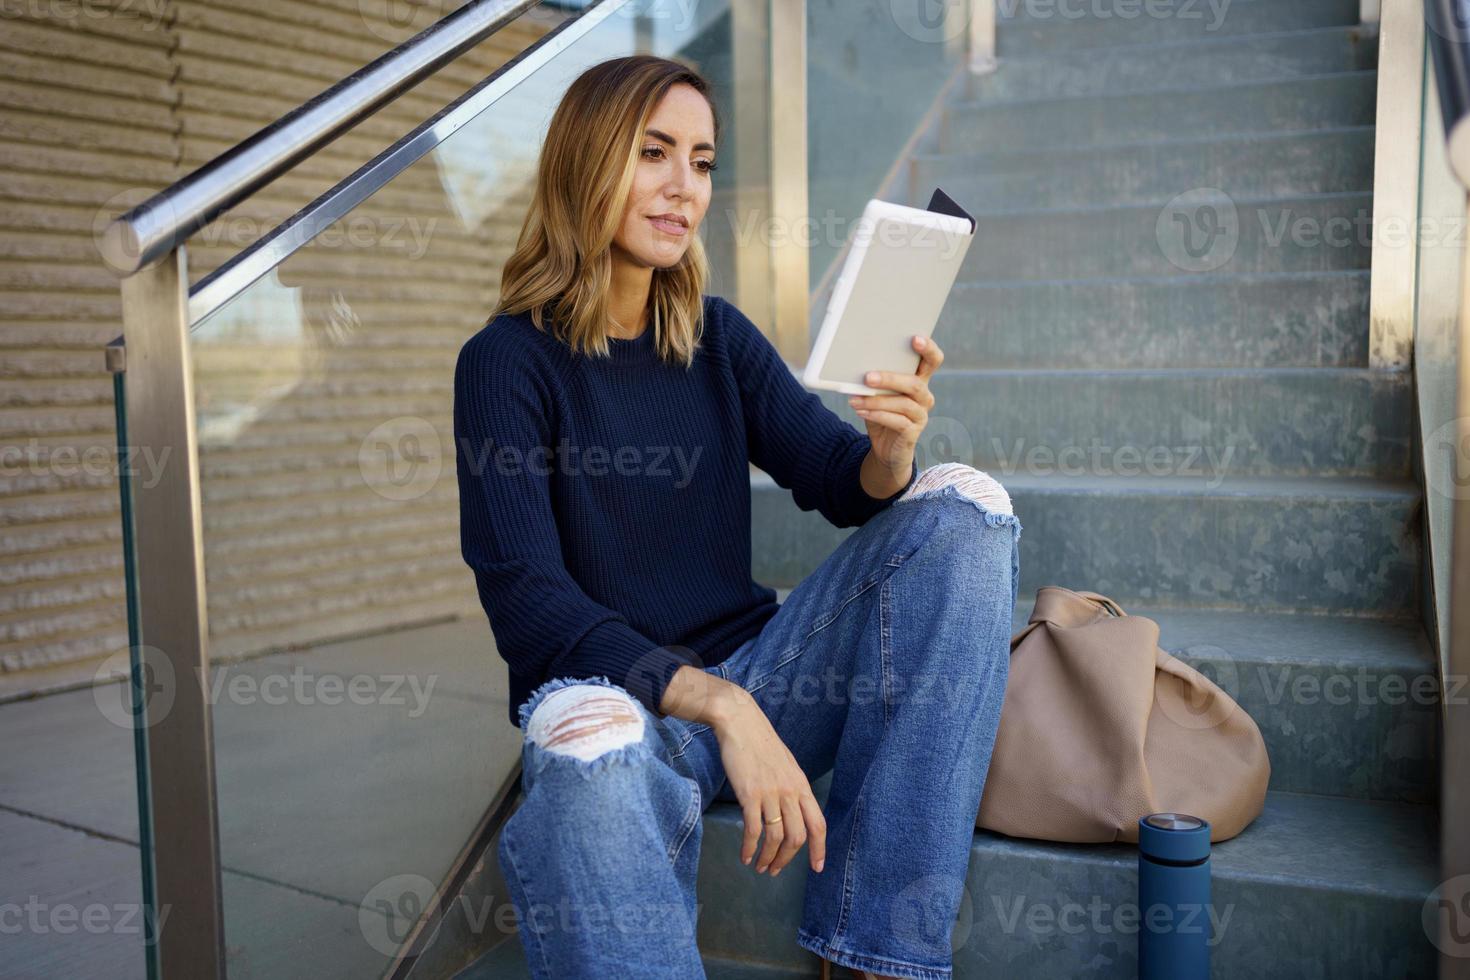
(1173, 897)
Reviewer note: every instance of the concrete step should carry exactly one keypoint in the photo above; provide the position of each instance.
(1190, 61)
(1256, 165)
(1205, 421)
(508, 962)
(1315, 887)
(1299, 544)
(1200, 231)
(1029, 27)
(1310, 102)
(1293, 319)
(1347, 705)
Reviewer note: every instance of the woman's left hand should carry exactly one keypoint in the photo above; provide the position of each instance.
(895, 421)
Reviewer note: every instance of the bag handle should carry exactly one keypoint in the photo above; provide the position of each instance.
(1102, 600)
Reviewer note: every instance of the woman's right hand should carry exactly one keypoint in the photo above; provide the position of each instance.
(769, 782)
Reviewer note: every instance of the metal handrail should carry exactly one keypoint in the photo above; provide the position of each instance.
(283, 241)
(160, 224)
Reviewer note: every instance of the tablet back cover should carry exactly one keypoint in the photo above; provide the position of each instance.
(893, 285)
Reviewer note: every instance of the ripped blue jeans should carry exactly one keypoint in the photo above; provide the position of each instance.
(886, 666)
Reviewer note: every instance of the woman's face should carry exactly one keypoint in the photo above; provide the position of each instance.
(671, 182)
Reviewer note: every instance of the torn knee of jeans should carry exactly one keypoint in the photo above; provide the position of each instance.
(978, 486)
(586, 721)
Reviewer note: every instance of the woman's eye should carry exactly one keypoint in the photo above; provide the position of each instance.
(706, 166)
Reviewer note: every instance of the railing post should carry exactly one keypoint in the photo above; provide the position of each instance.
(750, 42)
(982, 37)
(790, 253)
(172, 623)
(1397, 140)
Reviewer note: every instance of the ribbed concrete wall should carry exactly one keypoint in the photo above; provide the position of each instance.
(100, 105)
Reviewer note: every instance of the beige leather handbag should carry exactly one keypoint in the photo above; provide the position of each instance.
(1100, 727)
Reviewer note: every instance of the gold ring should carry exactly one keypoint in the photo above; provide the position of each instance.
(777, 820)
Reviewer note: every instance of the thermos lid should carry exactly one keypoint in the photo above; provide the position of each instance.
(1174, 837)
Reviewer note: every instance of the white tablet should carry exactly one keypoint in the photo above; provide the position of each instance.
(894, 283)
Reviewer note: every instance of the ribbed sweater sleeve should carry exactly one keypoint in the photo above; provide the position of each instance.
(544, 623)
(793, 436)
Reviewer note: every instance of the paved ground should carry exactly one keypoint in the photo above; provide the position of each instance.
(339, 770)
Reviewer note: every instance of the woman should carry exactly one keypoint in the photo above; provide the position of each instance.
(605, 420)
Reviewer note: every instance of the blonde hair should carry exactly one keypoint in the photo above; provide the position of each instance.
(561, 268)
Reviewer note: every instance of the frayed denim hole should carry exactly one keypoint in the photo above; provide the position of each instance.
(993, 518)
(556, 683)
(630, 753)
(635, 753)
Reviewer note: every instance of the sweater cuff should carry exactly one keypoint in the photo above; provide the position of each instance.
(856, 502)
(626, 657)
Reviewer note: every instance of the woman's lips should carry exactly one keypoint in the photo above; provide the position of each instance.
(669, 227)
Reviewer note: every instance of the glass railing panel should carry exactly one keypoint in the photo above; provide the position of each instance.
(256, 80)
(360, 707)
(1440, 240)
(883, 63)
(126, 704)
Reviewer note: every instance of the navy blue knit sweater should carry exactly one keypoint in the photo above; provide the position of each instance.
(605, 503)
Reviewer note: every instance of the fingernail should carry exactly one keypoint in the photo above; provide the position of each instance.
(762, 868)
(745, 861)
(872, 377)
(821, 864)
(922, 341)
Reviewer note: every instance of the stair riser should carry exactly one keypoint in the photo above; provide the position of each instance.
(1203, 424)
(1360, 731)
(1348, 555)
(1074, 907)
(1319, 320)
(1273, 929)
(1244, 59)
(1041, 27)
(1310, 163)
(1200, 232)
(1315, 103)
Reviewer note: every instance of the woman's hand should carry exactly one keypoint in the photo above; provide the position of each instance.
(769, 783)
(895, 421)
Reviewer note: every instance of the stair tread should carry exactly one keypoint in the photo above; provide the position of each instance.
(1335, 843)
(507, 961)
(1152, 207)
(1243, 40)
(970, 105)
(1271, 636)
(1091, 151)
(1182, 279)
(1292, 485)
(1283, 637)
